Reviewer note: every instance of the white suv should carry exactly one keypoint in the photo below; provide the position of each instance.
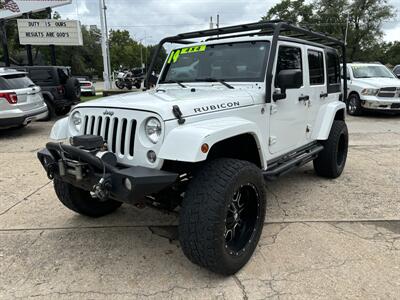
(371, 86)
(227, 112)
(20, 99)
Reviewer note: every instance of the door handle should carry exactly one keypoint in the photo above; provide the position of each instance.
(324, 95)
(304, 98)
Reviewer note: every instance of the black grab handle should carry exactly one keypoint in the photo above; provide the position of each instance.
(324, 95)
(304, 98)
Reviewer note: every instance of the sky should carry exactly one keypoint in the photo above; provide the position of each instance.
(151, 20)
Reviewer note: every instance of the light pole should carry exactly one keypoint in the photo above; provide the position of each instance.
(104, 45)
(143, 65)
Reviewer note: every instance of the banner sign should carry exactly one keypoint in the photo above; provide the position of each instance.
(15, 8)
(49, 32)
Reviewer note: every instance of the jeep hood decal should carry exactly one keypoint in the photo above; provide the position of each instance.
(190, 103)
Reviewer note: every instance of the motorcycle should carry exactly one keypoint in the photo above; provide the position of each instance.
(128, 79)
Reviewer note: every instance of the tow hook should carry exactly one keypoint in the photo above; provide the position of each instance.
(101, 190)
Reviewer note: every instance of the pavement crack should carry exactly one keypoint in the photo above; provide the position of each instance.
(285, 214)
(23, 199)
(241, 287)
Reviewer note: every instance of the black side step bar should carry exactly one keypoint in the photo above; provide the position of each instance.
(292, 161)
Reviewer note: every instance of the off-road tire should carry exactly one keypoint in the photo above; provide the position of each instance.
(81, 202)
(354, 107)
(202, 226)
(331, 161)
(72, 88)
(51, 109)
(63, 111)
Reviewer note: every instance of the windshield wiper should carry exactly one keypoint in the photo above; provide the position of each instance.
(175, 81)
(216, 80)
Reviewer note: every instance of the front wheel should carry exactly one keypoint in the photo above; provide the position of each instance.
(331, 161)
(63, 111)
(81, 202)
(222, 215)
(119, 84)
(354, 107)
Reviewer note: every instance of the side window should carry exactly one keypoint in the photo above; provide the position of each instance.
(397, 70)
(316, 67)
(41, 76)
(333, 72)
(289, 58)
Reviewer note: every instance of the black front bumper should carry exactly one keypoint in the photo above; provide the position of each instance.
(85, 174)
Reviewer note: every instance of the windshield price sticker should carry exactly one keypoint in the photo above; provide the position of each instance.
(174, 56)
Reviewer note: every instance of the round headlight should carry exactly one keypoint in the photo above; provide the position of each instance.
(76, 120)
(153, 129)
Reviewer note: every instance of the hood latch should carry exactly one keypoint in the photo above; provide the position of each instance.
(178, 114)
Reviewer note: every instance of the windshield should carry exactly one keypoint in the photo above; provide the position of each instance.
(14, 82)
(365, 71)
(242, 62)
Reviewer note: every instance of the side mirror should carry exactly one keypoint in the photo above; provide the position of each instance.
(397, 75)
(288, 79)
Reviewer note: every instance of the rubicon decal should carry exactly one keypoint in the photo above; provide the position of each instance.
(220, 106)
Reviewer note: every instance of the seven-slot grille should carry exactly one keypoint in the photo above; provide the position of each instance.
(389, 92)
(119, 133)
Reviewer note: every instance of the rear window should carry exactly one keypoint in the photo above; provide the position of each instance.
(15, 81)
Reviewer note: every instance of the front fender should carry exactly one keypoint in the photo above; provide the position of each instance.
(59, 131)
(184, 143)
(325, 118)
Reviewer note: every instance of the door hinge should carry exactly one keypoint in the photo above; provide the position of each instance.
(272, 140)
(273, 109)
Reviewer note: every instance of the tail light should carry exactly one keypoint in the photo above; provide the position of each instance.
(60, 90)
(12, 98)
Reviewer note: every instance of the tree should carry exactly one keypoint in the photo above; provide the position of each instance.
(297, 12)
(365, 19)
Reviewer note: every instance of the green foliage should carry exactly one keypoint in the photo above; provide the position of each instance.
(365, 18)
(297, 11)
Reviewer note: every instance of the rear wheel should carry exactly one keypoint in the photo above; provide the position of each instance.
(331, 161)
(222, 215)
(72, 88)
(81, 202)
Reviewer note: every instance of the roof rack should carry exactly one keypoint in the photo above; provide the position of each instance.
(276, 28)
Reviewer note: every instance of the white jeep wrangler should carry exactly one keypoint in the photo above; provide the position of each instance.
(371, 86)
(245, 105)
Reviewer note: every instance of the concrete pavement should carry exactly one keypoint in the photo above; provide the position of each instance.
(329, 239)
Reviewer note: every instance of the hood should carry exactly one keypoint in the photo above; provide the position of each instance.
(200, 101)
(379, 82)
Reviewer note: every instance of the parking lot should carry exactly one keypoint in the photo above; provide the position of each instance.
(323, 238)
